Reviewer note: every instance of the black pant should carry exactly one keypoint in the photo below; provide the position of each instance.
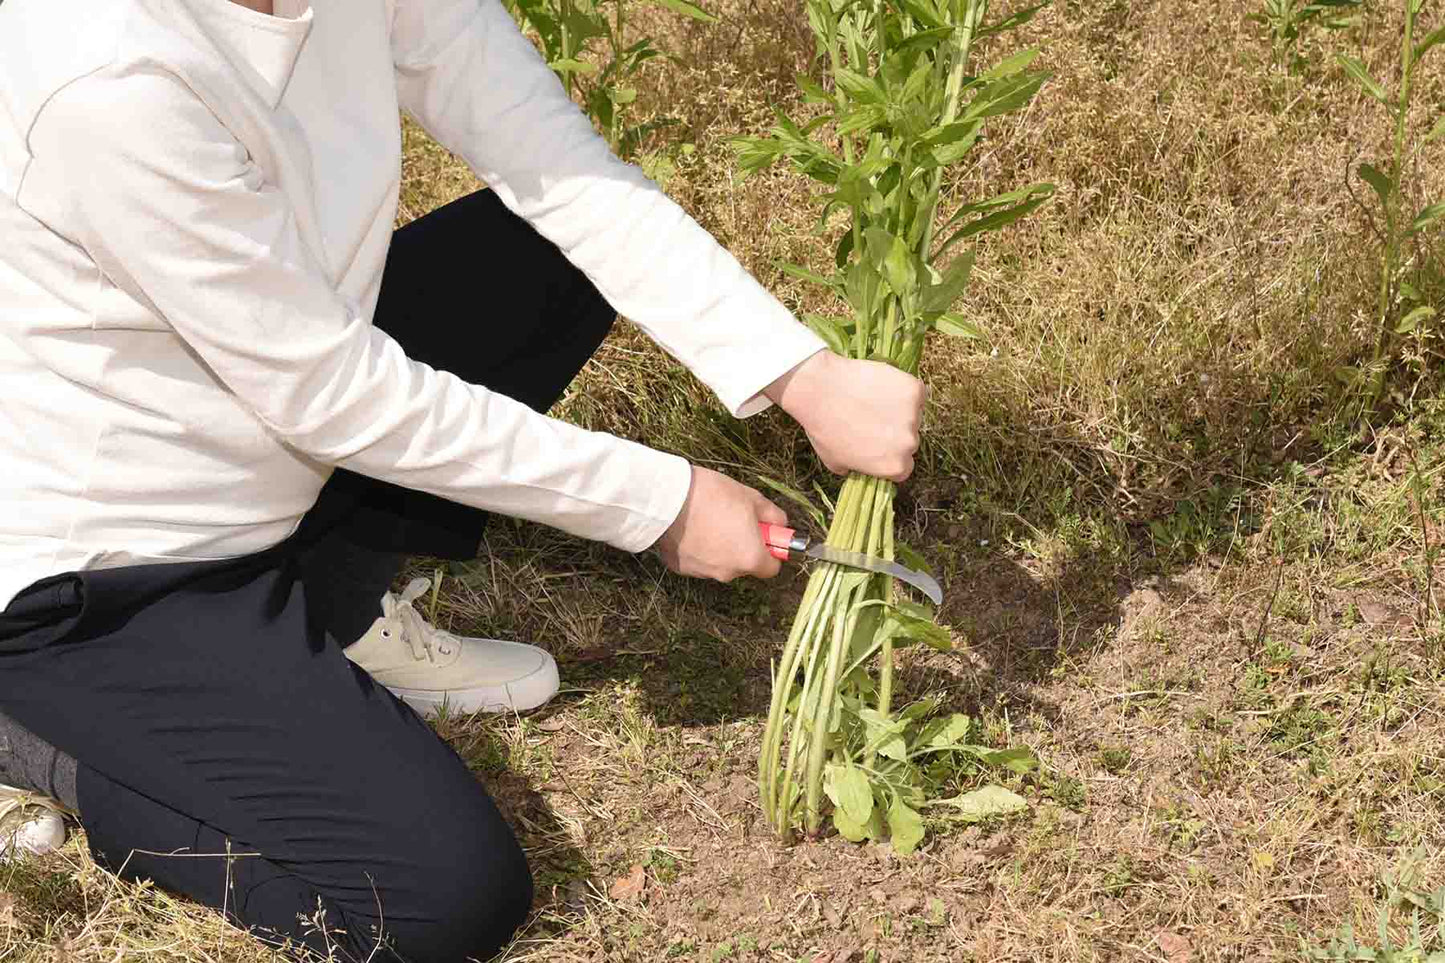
(228, 750)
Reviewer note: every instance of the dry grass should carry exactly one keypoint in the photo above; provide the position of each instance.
(1186, 574)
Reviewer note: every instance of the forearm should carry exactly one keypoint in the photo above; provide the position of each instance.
(477, 84)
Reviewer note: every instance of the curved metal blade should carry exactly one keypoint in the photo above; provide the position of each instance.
(870, 563)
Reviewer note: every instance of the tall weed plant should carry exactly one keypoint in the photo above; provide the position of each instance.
(1401, 228)
(1287, 20)
(588, 44)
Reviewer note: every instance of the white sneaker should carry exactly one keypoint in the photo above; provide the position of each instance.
(29, 824)
(429, 668)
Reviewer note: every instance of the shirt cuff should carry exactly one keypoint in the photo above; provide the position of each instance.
(744, 396)
(668, 480)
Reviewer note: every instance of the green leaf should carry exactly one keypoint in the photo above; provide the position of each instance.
(947, 145)
(1011, 65)
(1017, 20)
(893, 747)
(813, 91)
(922, 41)
(926, 12)
(1019, 760)
(849, 790)
(891, 257)
(1425, 218)
(1436, 132)
(1377, 179)
(798, 271)
(913, 622)
(915, 711)
(905, 828)
(792, 494)
(941, 296)
(1369, 84)
(947, 733)
(687, 9)
(854, 832)
(956, 326)
(1007, 199)
(568, 66)
(863, 289)
(983, 803)
(910, 557)
(599, 105)
(755, 153)
(948, 134)
(1003, 96)
(1412, 320)
(998, 219)
(1433, 39)
(885, 733)
(865, 117)
(581, 27)
(864, 90)
(832, 330)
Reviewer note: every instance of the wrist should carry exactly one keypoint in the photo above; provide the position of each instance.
(803, 388)
(671, 533)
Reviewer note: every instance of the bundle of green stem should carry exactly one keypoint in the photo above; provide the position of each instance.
(899, 108)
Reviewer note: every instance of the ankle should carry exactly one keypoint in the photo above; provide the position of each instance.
(29, 763)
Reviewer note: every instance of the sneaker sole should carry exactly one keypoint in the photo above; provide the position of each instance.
(523, 694)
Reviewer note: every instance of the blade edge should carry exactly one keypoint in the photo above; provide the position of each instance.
(925, 583)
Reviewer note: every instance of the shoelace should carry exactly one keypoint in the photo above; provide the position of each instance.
(425, 640)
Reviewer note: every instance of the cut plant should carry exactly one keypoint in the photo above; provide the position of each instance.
(898, 107)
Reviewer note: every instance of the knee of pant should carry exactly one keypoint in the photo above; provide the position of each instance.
(479, 893)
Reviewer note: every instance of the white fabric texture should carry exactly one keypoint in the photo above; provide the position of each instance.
(196, 202)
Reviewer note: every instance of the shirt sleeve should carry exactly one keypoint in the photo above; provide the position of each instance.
(467, 74)
(137, 171)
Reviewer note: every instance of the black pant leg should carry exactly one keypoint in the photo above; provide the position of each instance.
(232, 754)
(472, 289)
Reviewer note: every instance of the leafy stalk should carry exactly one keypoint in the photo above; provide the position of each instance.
(963, 41)
(1390, 191)
(902, 109)
(595, 59)
(1391, 255)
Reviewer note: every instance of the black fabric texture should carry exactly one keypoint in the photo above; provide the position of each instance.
(227, 748)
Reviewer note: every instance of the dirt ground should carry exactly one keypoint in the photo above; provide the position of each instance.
(1179, 564)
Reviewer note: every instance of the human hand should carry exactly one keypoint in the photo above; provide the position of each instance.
(861, 416)
(716, 534)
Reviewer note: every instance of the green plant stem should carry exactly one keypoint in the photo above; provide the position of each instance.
(842, 101)
(1390, 258)
(803, 647)
(962, 41)
(816, 598)
(885, 678)
(849, 532)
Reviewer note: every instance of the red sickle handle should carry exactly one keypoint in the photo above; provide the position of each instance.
(780, 540)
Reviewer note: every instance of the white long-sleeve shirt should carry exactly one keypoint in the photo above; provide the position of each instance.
(196, 202)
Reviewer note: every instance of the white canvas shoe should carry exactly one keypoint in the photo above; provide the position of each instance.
(428, 668)
(29, 824)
